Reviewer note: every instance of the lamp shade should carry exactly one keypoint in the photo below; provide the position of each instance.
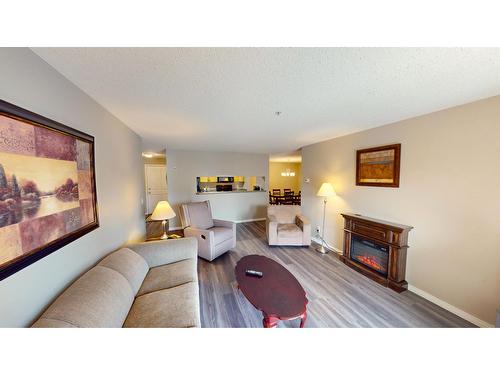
(162, 211)
(326, 190)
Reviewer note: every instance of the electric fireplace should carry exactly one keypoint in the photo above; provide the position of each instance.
(370, 254)
(377, 249)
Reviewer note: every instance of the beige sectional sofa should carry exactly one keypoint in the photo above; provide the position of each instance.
(151, 284)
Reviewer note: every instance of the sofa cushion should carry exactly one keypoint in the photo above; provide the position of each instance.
(222, 234)
(289, 231)
(200, 215)
(284, 214)
(130, 264)
(52, 323)
(102, 297)
(158, 253)
(169, 275)
(175, 307)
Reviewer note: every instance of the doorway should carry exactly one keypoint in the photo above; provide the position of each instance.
(155, 188)
(156, 185)
(155, 179)
(285, 178)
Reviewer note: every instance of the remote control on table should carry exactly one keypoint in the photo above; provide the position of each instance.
(254, 273)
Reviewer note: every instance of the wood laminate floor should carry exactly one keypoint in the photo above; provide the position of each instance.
(338, 296)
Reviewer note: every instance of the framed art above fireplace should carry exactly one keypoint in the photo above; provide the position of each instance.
(47, 187)
(378, 166)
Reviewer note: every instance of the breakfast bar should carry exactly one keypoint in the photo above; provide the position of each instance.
(236, 198)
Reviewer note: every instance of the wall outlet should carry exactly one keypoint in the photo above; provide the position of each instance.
(318, 230)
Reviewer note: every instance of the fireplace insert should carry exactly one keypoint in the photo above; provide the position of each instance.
(370, 254)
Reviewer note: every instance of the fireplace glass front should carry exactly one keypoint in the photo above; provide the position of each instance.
(370, 254)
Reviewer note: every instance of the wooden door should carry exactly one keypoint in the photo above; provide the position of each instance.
(156, 185)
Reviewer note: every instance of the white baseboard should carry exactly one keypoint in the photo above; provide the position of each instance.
(236, 221)
(450, 308)
(327, 245)
(445, 305)
(249, 220)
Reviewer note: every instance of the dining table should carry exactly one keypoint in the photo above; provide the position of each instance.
(289, 199)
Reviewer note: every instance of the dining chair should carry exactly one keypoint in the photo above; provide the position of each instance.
(271, 199)
(297, 199)
(287, 198)
(276, 191)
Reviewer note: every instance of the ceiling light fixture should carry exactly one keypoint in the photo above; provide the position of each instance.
(288, 173)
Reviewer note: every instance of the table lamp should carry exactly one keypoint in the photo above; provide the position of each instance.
(163, 212)
(326, 190)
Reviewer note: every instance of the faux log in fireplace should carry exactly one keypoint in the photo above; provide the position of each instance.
(377, 249)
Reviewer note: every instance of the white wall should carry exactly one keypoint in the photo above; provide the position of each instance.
(27, 81)
(449, 192)
(184, 166)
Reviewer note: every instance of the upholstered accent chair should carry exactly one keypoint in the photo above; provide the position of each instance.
(286, 226)
(214, 237)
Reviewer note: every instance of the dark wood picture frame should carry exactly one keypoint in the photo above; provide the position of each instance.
(14, 112)
(396, 166)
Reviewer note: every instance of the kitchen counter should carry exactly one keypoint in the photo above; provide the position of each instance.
(236, 205)
(230, 192)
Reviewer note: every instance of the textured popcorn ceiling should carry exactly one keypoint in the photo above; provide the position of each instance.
(226, 99)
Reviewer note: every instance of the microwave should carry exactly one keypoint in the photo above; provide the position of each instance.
(225, 179)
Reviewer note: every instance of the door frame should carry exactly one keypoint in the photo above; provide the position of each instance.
(146, 187)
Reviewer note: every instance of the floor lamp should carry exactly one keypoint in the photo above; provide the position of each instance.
(326, 190)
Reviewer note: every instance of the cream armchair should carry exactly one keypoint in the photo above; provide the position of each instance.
(286, 226)
(214, 237)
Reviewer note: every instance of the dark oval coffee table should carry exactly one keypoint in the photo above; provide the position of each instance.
(277, 294)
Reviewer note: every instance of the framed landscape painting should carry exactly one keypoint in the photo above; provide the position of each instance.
(378, 166)
(47, 187)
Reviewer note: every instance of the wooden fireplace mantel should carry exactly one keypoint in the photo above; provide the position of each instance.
(392, 235)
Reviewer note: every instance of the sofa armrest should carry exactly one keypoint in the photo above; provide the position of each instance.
(158, 253)
(272, 218)
(301, 220)
(303, 223)
(203, 234)
(224, 223)
(272, 230)
(272, 223)
(205, 237)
